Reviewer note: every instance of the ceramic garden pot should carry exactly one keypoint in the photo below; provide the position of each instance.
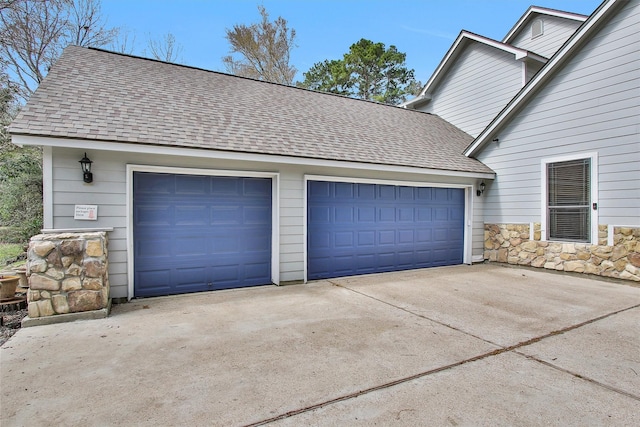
(8, 285)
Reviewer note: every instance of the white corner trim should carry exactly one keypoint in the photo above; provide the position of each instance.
(477, 258)
(610, 232)
(275, 210)
(47, 187)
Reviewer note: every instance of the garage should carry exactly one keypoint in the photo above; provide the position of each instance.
(196, 233)
(361, 228)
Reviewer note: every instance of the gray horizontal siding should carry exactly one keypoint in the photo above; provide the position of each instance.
(556, 32)
(479, 84)
(591, 105)
(108, 191)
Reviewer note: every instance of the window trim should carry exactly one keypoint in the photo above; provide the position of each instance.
(544, 194)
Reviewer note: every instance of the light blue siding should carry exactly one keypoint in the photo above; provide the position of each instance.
(591, 105)
(479, 84)
(556, 31)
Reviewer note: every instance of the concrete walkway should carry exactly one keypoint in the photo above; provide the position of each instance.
(479, 345)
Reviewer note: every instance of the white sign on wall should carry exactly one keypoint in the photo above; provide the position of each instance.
(86, 212)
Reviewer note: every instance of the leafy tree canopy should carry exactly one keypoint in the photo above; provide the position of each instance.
(368, 71)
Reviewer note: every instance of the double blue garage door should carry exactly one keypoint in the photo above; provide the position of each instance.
(356, 228)
(199, 233)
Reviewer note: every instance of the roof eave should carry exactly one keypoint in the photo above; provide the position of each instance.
(22, 139)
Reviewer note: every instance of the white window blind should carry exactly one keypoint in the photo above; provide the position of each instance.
(568, 213)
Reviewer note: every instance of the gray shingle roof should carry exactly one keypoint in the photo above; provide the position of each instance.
(98, 95)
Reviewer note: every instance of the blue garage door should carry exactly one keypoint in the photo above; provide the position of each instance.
(371, 228)
(199, 233)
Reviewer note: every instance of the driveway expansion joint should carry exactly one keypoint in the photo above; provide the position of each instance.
(502, 349)
(580, 376)
(446, 325)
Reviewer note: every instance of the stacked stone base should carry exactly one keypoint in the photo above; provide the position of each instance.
(67, 273)
(512, 244)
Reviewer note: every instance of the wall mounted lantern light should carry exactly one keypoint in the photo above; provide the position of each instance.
(480, 190)
(85, 163)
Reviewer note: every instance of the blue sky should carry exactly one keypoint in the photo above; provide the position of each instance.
(423, 29)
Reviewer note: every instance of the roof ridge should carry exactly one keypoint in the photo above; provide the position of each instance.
(221, 73)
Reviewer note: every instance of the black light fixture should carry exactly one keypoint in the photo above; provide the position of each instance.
(480, 189)
(85, 163)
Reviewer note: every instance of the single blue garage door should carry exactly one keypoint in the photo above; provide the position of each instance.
(199, 233)
(370, 228)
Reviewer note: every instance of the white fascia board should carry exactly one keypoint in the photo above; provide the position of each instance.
(417, 100)
(541, 11)
(85, 144)
(542, 76)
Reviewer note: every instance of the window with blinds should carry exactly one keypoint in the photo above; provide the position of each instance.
(569, 201)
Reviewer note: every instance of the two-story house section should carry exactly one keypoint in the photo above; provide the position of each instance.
(478, 76)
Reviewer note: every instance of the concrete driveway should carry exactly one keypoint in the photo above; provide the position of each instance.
(466, 345)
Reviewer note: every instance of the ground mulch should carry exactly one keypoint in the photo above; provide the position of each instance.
(11, 322)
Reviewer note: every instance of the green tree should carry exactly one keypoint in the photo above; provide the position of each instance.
(328, 76)
(368, 71)
(264, 50)
(20, 176)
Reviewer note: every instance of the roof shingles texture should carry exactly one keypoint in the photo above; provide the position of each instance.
(98, 95)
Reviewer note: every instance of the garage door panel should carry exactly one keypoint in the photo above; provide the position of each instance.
(224, 215)
(190, 185)
(153, 248)
(190, 246)
(200, 233)
(256, 187)
(161, 185)
(386, 237)
(191, 215)
(365, 191)
(345, 190)
(366, 238)
(256, 215)
(256, 271)
(366, 214)
(320, 214)
(153, 215)
(394, 228)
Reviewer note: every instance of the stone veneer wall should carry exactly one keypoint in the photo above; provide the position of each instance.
(511, 243)
(67, 273)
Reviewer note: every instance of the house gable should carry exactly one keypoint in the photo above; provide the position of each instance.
(479, 69)
(543, 30)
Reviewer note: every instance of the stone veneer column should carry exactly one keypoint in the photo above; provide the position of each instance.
(510, 243)
(67, 273)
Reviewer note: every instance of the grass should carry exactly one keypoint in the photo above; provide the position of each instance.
(9, 251)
